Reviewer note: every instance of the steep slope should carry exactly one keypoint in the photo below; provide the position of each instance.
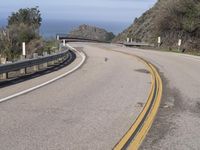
(171, 20)
(91, 32)
(141, 29)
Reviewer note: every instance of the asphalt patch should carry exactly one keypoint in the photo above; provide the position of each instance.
(171, 106)
(142, 71)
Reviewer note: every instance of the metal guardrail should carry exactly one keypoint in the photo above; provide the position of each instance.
(137, 44)
(23, 64)
(68, 38)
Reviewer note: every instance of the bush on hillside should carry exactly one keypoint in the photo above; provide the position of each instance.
(179, 15)
(23, 26)
(28, 16)
(170, 19)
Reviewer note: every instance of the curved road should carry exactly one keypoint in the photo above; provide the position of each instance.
(89, 109)
(177, 124)
(94, 107)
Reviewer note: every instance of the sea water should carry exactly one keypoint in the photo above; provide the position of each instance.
(50, 28)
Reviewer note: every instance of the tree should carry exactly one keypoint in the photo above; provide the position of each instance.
(5, 43)
(23, 26)
(27, 16)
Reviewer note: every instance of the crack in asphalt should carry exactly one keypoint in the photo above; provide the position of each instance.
(142, 71)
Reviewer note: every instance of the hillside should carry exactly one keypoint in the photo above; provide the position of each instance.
(169, 19)
(91, 32)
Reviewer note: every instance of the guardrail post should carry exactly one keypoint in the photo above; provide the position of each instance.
(22, 71)
(45, 65)
(4, 76)
(35, 68)
(56, 61)
(51, 62)
(62, 59)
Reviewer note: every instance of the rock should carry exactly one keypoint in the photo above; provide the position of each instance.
(91, 32)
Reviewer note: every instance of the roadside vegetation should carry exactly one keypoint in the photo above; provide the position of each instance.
(23, 26)
(179, 19)
(171, 20)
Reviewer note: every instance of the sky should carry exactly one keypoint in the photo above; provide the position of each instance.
(62, 16)
(77, 10)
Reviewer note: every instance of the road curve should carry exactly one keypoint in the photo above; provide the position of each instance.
(89, 109)
(177, 124)
(95, 106)
(48, 81)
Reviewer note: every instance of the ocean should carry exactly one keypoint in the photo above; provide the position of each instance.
(50, 28)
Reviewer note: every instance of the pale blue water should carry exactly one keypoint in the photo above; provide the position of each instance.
(3, 22)
(50, 28)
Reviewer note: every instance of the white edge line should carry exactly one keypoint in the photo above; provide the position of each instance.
(50, 81)
(196, 58)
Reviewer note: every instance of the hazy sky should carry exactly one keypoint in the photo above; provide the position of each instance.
(95, 10)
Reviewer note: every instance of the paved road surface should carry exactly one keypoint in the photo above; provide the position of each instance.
(93, 107)
(89, 109)
(177, 125)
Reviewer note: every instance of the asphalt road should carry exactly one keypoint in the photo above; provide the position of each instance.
(177, 124)
(94, 107)
(91, 108)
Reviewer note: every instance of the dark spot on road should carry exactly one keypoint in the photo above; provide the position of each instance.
(142, 71)
(139, 104)
(171, 105)
(106, 59)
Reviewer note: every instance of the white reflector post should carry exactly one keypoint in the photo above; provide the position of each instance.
(159, 40)
(179, 42)
(57, 37)
(23, 49)
(64, 43)
(127, 40)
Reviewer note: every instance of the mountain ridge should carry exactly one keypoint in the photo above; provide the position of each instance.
(91, 32)
(169, 19)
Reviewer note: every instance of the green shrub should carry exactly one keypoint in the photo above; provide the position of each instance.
(23, 26)
(179, 15)
(28, 16)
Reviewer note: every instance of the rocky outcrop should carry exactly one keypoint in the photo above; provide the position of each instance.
(91, 32)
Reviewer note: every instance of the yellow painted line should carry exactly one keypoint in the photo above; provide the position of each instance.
(155, 96)
(148, 123)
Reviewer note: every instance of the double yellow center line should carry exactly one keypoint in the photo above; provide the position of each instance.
(138, 131)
